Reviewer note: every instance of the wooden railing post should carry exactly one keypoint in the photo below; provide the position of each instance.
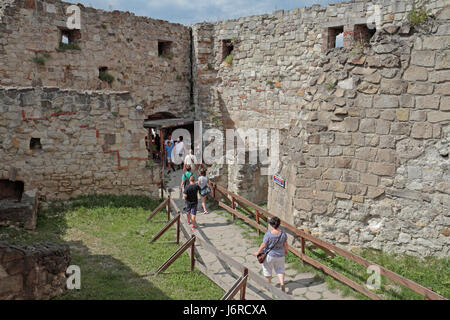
(168, 208)
(178, 228)
(233, 205)
(244, 285)
(257, 220)
(193, 253)
(303, 245)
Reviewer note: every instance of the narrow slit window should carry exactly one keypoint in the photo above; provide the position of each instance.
(227, 48)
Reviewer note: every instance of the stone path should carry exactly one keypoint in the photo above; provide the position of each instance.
(216, 229)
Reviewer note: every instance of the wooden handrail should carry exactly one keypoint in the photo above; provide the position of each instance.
(158, 209)
(424, 291)
(253, 276)
(167, 226)
(239, 285)
(183, 248)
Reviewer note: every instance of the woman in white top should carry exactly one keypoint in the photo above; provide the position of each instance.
(204, 189)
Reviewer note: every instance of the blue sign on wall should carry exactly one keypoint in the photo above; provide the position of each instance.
(280, 181)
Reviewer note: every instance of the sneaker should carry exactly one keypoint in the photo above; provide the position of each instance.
(205, 212)
(189, 221)
(193, 227)
(283, 288)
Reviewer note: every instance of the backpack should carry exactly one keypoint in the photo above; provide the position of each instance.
(186, 180)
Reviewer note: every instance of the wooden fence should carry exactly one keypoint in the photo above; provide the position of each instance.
(262, 214)
(192, 241)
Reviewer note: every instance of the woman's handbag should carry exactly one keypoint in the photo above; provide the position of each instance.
(262, 256)
(205, 191)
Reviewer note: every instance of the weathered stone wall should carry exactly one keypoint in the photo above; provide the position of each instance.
(33, 272)
(90, 142)
(127, 45)
(365, 128)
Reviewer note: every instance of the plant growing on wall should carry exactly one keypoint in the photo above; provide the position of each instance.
(68, 46)
(229, 59)
(179, 77)
(417, 16)
(167, 56)
(330, 85)
(42, 59)
(105, 76)
(357, 48)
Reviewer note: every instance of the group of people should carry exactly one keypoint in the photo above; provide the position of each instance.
(274, 244)
(190, 185)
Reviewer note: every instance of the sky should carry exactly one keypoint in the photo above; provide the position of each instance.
(188, 12)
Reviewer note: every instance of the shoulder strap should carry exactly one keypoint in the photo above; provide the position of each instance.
(279, 237)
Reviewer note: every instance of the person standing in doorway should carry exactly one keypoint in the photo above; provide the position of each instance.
(169, 151)
(276, 246)
(190, 196)
(179, 149)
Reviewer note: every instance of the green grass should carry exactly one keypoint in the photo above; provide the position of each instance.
(429, 272)
(109, 241)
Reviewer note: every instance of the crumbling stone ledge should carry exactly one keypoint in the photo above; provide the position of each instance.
(33, 272)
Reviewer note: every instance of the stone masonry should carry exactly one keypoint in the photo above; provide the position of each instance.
(33, 272)
(90, 142)
(364, 128)
(121, 42)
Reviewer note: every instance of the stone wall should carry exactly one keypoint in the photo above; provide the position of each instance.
(365, 127)
(124, 43)
(84, 142)
(33, 272)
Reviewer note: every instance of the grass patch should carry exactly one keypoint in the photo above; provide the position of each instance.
(109, 240)
(429, 272)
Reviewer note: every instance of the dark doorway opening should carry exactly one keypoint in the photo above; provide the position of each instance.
(11, 190)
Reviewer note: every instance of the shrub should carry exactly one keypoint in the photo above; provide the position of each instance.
(417, 16)
(179, 77)
(39, 60)
(105, 76)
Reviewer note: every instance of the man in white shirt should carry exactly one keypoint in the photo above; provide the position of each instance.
(190, 160)
(179, 150)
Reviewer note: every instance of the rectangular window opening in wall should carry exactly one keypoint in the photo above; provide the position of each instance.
(335, 37)
(35, 144)
(362, 33)
(165, 49)
(69, 36)
(69, 39)
(227, 48)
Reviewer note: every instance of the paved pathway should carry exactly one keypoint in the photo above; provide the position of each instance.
(216, 229)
